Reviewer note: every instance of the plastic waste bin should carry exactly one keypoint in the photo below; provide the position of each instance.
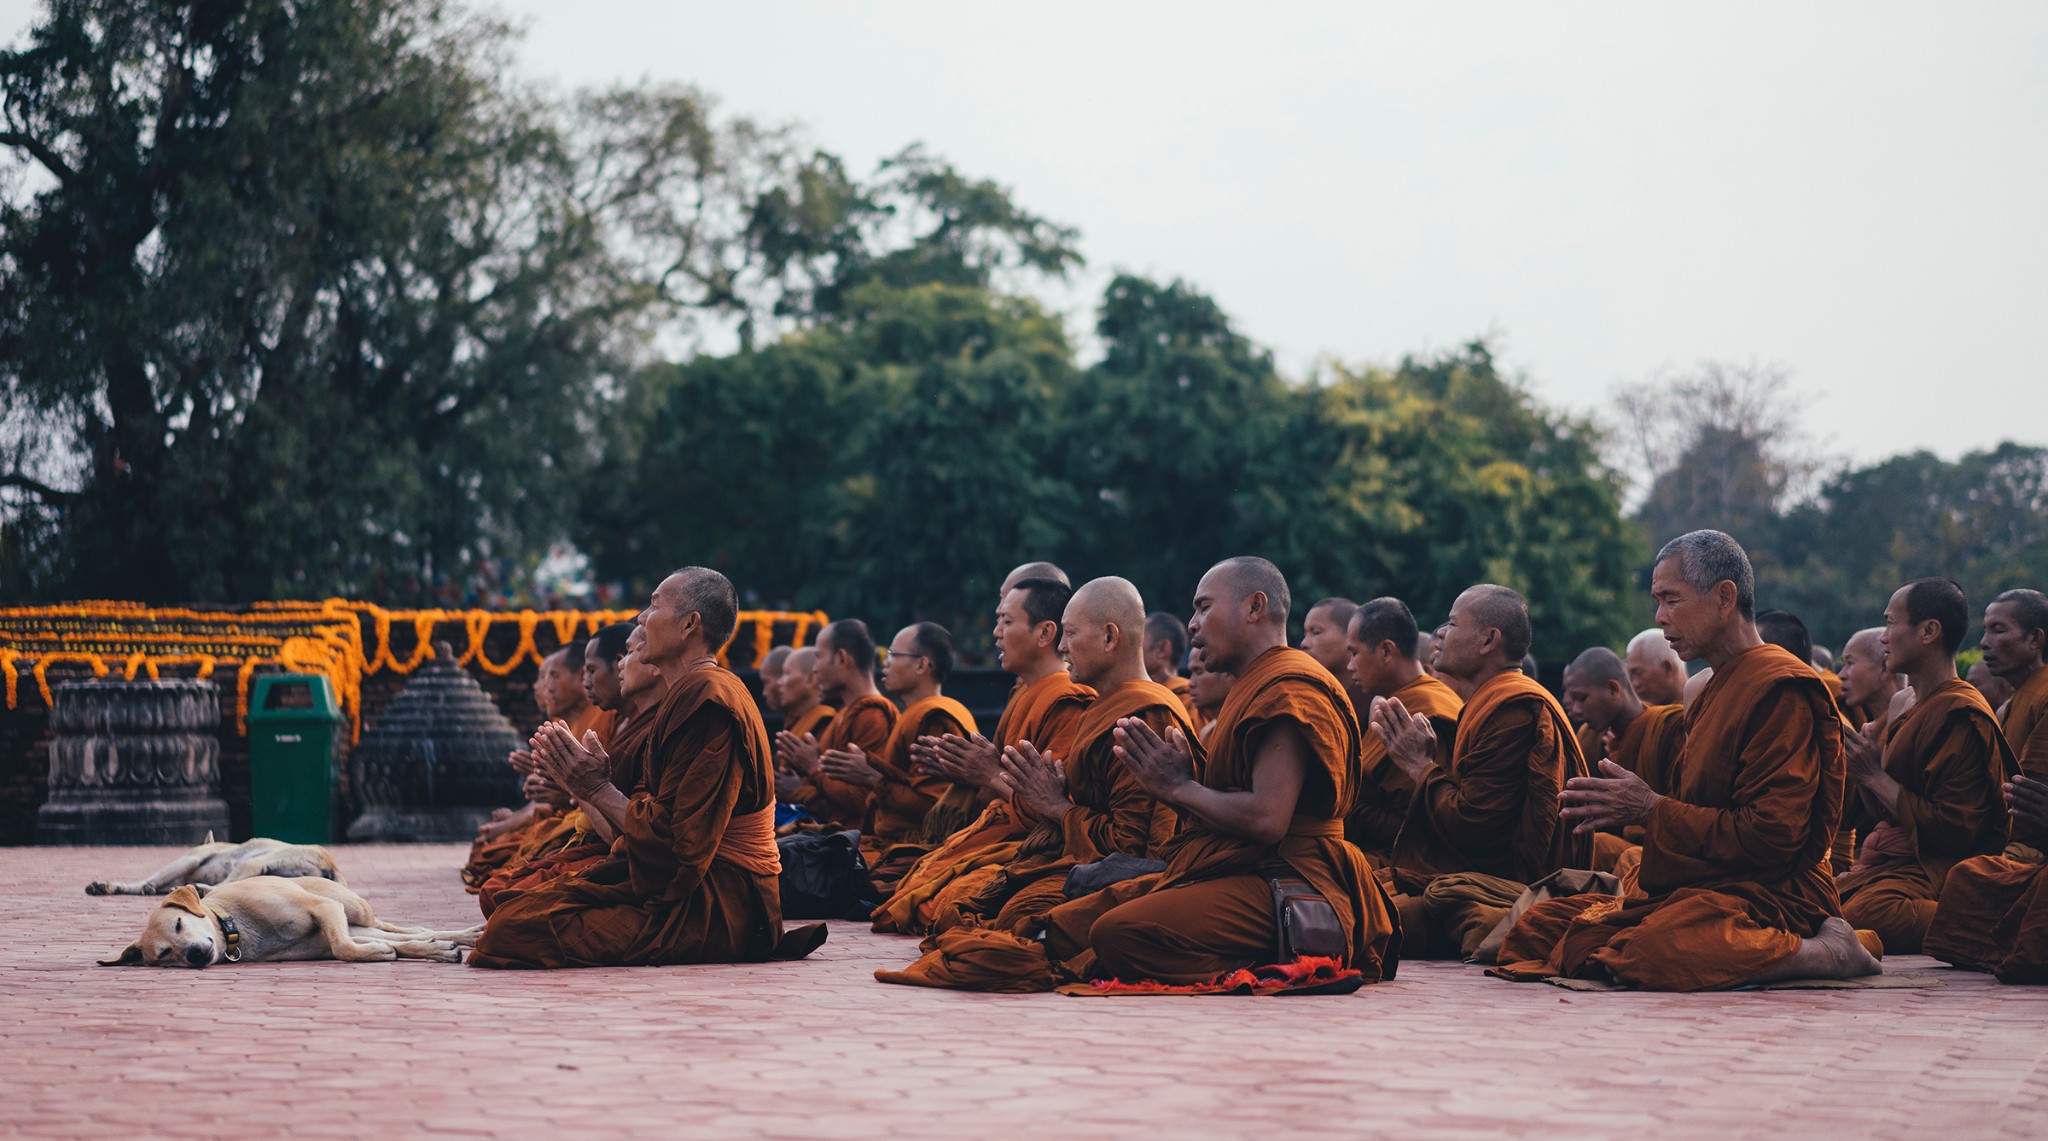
(294, 728)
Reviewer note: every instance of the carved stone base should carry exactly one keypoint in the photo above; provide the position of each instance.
(134, 763)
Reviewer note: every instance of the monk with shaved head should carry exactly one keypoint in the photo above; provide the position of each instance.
(1928, 790)
(1869, 687)
(1487, 817)
(1324, 632)
(1615, 725)
(770, 671)
(1268, 800)
(1734, 859)
(977, 827)
(902, 792)
(1654, 669)
(1993, 914)
(845, 671)
(1166, 649)
(804, 712)
(692, 877)
(1383, 643)
(1085, 804)
(558, 690)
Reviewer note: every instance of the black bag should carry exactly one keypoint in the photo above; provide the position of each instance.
(1305, 922)
(824, 876)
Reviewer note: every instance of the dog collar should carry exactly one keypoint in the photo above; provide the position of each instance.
(233, 933)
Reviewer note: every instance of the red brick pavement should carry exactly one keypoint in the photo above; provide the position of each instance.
(818, 1049)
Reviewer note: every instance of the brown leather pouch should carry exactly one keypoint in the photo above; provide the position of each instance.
(1307, 924)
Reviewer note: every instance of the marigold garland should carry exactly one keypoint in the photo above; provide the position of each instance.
(320, 637)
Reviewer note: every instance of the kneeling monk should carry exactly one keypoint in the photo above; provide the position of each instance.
(692, 876)
(1269, 803)
(1735, 858)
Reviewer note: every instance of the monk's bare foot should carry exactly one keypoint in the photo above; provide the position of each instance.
(1834, 952)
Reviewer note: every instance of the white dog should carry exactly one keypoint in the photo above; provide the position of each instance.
(268, 919)
(212, 863)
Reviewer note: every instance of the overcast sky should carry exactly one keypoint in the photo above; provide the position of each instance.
(1853, 191)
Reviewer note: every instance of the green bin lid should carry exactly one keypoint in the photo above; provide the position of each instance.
(293, 697)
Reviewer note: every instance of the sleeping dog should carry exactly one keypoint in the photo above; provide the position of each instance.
(269, 919)
(212, 863)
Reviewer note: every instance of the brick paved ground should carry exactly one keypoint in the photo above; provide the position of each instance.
(817, 1049)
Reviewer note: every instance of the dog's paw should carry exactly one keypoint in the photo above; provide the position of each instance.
(468, 936)
(99, 887)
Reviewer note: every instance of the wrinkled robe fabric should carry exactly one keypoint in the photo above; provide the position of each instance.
(1384, 790)
(1734, 860)
(2026, 732)
(544, 830)
(1951, 762)
(1044, 712)
(1993, 916)
(868, 722)
(687, 881)
(1211, 911)
(578, 846)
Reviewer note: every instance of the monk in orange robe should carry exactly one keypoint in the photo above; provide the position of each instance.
(558, 690)
(692, 876)
(770, 671)
(1869, 687)
(1993, 914)
(804, 711)
(1734, 859)
(1654, 670)
(1325, 634)
(631, 688)
(1207, 691)
(1490, 815)
(1929, 791)
(901, 793)
(1268, 800)
(1383, 641)
(1166, 648)
(1615, 725)
(846, 673)
(1045, 705)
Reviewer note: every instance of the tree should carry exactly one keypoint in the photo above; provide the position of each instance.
(308, 286)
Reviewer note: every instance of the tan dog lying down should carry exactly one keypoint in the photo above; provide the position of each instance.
(268, 919)
(212, 863)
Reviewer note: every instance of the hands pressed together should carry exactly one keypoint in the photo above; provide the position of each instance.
(1162, 765)
(1038, 782)
(850, 765)
(971, 760)
(799, 752)
(578, 768)
(1409, 737)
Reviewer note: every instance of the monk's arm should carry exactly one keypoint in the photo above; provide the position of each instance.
(1280, 767)
(1964, 795)
(1779, 775)
(1482, 803)
(911, 793)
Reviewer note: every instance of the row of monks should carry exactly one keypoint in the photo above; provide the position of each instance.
(1299, 818)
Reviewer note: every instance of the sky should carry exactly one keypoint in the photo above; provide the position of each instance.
(1853, 192)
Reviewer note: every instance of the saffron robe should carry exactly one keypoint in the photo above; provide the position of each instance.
(545, 829)
(867, 722)
(1185, 690)
(976, 941)
(1993, 916)
(1951, 762)
(1734, 859)
(692, 877)
(811, 721)
(2026, 731)
(1043, 712)
(1211, 911)
(581, 847)
(1385, 791)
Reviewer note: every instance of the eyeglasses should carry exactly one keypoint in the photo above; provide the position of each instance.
(886, 654)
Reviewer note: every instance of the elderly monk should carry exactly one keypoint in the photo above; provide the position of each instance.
(2016, 646)
(1869, 687)
(583, 837)
(692, 875)
(804, 712)
(558, 690)
(1268, 801)
(1324, 634)
(1044, 700)
(1928, 789)
(846, 673)
(901, 792)
(1085, 805)
(1045, 706)
(1383, 641)
(1654, 669)
(1734, 859)
(1993, 914)
(1489, 815)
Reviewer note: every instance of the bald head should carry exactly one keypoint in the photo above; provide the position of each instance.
(1033, 570)
(797, 688)
(770, 670)
(1598, 665)
(1102, 636)
(1597, 691)
(1654, 670)
(1240, 578)
(1867, 682)
(1240, 613)
(1166, 645)
(773, 663)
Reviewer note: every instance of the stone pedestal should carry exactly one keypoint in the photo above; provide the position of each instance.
(432, 767)
(133, 762)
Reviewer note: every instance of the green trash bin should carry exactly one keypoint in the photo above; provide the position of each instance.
(294, 727)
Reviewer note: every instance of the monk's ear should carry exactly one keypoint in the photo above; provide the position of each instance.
(131, 957)
(186, 899)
